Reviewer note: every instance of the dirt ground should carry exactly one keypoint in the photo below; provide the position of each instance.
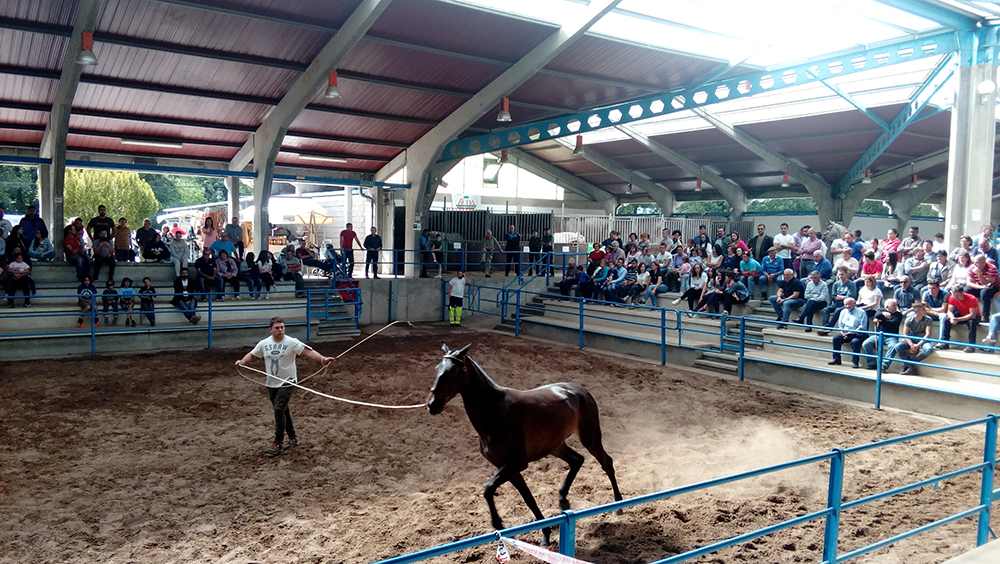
(158, 458)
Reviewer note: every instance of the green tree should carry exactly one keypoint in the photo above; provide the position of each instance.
(778, 205)
(18, 188)
(176, 191)
(124, 193)
(925, 210)
(873, 206)
(703, 207)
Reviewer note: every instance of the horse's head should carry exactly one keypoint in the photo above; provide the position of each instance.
(451, 374)
(834, 231)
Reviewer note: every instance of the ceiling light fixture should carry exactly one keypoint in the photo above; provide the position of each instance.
(87, 56)
(784, 181)
(161, 144)
(332, 91)
(868, 177)
(504, 114)
(986, 88)
(578, 149)
(322, 159)
(913, 182)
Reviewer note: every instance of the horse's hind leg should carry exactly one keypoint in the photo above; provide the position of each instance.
(518, 482)
(590, 437)
(575, 461)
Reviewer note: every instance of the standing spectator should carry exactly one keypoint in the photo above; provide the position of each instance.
(127, 300)
(817, 295)
(490, 244)
(86, 294)
(207, 274)
(104, 253)
(984, 282)
(425, 252)
(851, 322)
(228, 274)
(19, 278)
(123, 242)
(347, 240)
(144, 235)
(147, 303)
(265, 264)
(373, 246)
(110, 299)
(32, 224)
(41, 248)
(209, 234)
(785, 244)
(456, 295)
(789, 297)
(75, 254)
(293, 272)
(437, 253)
(184, 298)
(234, 232)
(100, 223)
(547, 241)
(963, 308)
(917, 267)
(913, 343)
(250, 273)
(534, 251)
(157, 251)
(848, 262)
(760, 244)
(910, 244)
(512, 250)
(887, 323)
(807, 251)
(178, 249)
(841, 289)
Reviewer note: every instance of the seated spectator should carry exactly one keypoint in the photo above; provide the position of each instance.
(570, 278)
(789, 296)
(869, 267)
(771, 270)
(110, 299)
(144, 235)
(207, 273)
(749, 270)
(308, 258)
(86, 295)
(817, 295)
(939, 243)
(940, 268)
(266, 265)
(228, 273)
(657, 284)
(711, 294)
(19, 278)
(41, 248)
(629, 285)
(887, 323)
(641, 281)
(984, 282)
(147, 303)
(823, 266)
(965, 245)
(960, 272)
(104, 253)
(178, 249)
(905, 294)
(585, 285)
(693, 294)
(909, 245)
(841, 289)
(234, 233)
(732, 260)
(16, 243)
(963, 308)
(869, 296)
(849, 325)
(736, 293)
(184, 295)
(985, 248)
(892, 271)
(157, 251)
(663, 256)
(127, 293)
(672, 275)
(614, 280)
(935, 299)
(223, 244)
(123, 241)
(74, 252)
(250, 273)
(293, 272)
(913, 343)
(917, 267)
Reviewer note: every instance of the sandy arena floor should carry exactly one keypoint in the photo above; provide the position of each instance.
(158, 458)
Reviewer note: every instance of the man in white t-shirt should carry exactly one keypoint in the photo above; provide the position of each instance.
(785, 244)
(279, 352)
(456, 293)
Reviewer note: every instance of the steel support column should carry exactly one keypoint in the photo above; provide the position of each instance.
(905, 201)
(233, 190)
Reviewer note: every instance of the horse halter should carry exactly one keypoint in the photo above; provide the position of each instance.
(453, 357)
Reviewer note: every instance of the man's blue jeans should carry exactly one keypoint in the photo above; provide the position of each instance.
(888, 349)
(651, 295)
(785, 309)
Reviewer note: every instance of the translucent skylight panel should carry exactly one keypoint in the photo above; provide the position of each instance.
(678, 39)
(881, 12)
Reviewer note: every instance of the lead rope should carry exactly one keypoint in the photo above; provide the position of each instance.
(318, 393)
(355, 345)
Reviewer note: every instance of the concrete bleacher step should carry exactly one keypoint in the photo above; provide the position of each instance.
(723, 361)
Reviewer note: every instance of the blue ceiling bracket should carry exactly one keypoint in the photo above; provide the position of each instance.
(930, 86)
(852, 101)
(703, 95)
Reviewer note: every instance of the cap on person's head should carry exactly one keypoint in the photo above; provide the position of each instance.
(109, 283)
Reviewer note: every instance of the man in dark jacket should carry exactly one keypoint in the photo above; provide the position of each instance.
(761, 243)
(184, 297)
(512, 250)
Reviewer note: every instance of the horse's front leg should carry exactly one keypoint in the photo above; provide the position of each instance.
(504, 474)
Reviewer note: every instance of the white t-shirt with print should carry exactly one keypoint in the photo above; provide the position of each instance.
(279, 359)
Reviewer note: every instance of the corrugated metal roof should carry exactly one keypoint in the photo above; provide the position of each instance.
(38, 50)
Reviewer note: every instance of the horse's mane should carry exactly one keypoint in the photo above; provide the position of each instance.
(481, 371)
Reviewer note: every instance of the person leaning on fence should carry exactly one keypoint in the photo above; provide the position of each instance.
(789, 296)
(963, 309)
(852, 320)
(886, 323)
(184, 299)
(913, 344)
(147, 304)
(839, 290)
(456, 295)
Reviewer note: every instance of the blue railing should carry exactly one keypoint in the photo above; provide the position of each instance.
(567, 521)
(317, 305)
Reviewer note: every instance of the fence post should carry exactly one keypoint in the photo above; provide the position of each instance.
(567, 535)
(308, 315)
(444, 301)
(986, 493)
(722, 332)
(743, 345)
(878, 372)
(210, 320)
(833, 496)
(93, 325)
(679, 330)
(517, 315)
(581, 322)
(663, 336)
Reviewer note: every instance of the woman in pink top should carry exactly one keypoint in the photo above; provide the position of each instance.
(209, 234)
(735, 239)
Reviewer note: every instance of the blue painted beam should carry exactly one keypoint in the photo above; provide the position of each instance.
(909, 114)
(852, 101)
(703, 95)
(934, 13)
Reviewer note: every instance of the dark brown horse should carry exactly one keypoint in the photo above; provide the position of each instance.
(518, 427)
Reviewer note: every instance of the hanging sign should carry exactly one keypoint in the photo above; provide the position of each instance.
(463, 202)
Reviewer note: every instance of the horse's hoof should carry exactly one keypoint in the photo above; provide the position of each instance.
(620, 512)
(545, 542)
(564, 504)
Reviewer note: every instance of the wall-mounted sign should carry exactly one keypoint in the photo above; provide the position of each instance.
(463, 202)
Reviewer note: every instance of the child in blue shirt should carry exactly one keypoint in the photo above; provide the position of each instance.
(127, 293)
